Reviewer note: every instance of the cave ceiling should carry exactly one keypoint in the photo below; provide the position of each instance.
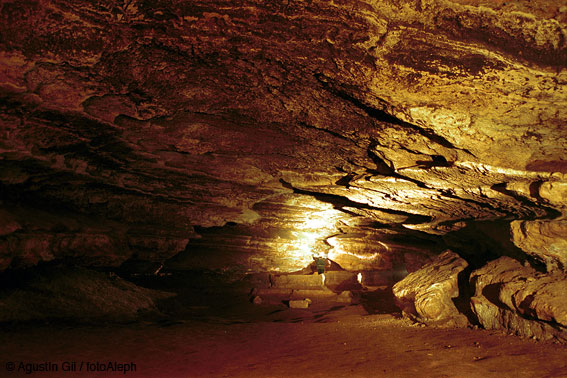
(270, 130)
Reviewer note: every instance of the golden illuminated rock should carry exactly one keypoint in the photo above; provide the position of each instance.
(509, 295)
(427, 295)
(415, 113)
(253, 135)
(545, 240)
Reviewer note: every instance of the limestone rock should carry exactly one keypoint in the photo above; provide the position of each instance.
(517, 298)
(554, 190)
(76, 294)
(156, 247)
(345, 297)
(427, 295)
(546, 240)
(315, 295)
(341, 280)
(222, 133)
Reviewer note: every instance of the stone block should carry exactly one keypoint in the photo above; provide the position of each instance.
(323, 294)
(544, 239)
(341, 280)
(276, 292)
(297, 281)
(299, 303)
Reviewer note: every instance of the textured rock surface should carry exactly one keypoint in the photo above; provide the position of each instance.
(332, 286)
(428, 294)
(511, 296)
(162, 116)
(546, 240)
(298, 281)
(76, 294)
(249, 135)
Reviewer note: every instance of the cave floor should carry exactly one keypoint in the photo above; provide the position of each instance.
(273, 341)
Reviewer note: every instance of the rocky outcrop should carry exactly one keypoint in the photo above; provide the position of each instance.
(519, 299)
(75, 294)
(504, 295)
(428, 295)
(300, 290)
(32, 236)
(545, 240)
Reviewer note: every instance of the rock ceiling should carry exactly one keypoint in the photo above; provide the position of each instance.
(274, 129)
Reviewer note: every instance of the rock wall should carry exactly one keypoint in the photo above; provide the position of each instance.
(252, 134)
(545, 240)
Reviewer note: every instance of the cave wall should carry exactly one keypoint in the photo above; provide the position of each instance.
(169, 130)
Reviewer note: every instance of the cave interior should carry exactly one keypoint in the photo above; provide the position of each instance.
(306, 161)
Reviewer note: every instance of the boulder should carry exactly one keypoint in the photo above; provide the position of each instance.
(427, 295)
(341, 280)
(517, 298)
(546, 240)
(299, 303)
(345, 297)
(554, 191)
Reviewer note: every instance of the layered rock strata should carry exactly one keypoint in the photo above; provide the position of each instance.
(505, 295)
(515, 297)
(163, 116)
(250, 135)
(428, 295)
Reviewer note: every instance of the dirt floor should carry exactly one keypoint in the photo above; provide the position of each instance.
(273, 341)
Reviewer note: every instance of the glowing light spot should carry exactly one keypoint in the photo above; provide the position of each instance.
(314, 223)
(338, 250)
(384, 245)
(323, 278)
(359, 278)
